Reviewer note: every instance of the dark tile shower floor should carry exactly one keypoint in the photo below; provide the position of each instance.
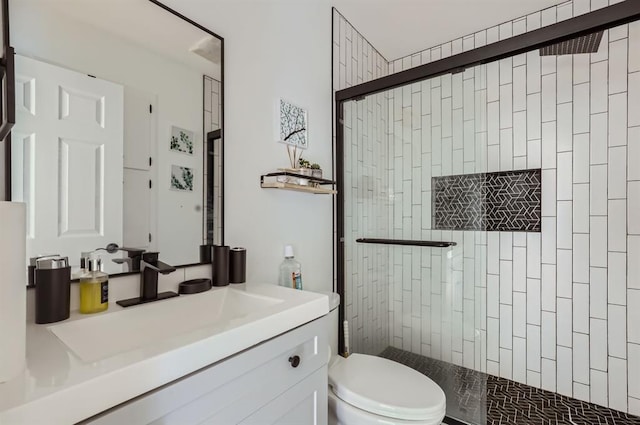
(477, 398)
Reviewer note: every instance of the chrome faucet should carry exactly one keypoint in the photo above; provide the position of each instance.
(150, 266)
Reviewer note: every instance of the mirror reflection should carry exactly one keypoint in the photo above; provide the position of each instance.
(114, 101)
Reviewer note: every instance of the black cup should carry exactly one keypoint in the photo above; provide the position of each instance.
(205, 254)
(53, 292)
(238, 265)
(220, 265)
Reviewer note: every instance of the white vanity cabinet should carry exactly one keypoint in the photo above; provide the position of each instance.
(261, 385)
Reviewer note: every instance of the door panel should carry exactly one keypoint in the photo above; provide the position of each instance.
(81, 179)
(73, 126)
(139, 169)
(139, 128)
(26, 94)
(23, 183)
(136, 208)
(81, 109)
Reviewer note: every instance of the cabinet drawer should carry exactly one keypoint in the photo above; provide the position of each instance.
(254, 389)
(229, 391)
(300, 405)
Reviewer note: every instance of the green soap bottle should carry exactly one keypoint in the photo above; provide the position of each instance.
(94, 288)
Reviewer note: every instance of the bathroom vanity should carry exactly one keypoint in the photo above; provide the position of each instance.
(250, 353)
(281, 381)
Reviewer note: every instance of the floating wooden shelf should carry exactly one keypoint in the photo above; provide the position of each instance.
(297, 187)
(270, 181)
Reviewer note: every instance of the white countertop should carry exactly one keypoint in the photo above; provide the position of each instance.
(57, 387)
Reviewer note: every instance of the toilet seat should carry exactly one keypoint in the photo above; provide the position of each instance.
(342, 413)
(386, 388)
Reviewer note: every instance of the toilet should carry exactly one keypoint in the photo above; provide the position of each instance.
(365, 390)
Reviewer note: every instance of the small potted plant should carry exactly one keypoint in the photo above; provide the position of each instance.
(304, 167)
(316, 171)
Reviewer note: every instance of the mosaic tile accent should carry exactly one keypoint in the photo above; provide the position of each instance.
(502, 201)
(478, 398)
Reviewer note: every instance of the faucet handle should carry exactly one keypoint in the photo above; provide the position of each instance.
(126, 261)
(150, 260)
(165, 268)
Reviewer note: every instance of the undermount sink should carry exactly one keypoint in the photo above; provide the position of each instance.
(102, 336)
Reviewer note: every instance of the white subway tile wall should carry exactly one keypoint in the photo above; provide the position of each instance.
(369, 200)
(557, 309)
(212, 121)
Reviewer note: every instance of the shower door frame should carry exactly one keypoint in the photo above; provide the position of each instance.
(611, 16)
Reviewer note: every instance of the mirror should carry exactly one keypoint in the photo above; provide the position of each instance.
(114, 103)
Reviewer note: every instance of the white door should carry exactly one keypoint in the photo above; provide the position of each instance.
(139, 169)
(68, 139)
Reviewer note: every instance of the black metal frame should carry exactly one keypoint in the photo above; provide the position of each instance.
(8, 101)
(212, 136)
(312, 179)
(189, 20)
(599, 20)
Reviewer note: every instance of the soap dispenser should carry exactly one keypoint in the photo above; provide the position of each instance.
(94, 288)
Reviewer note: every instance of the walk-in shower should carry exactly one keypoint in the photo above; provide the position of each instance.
(488, 216)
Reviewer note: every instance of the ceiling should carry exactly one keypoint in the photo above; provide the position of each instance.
(142, 23)
(397, 28)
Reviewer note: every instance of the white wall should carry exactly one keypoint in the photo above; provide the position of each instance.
(273, 49)
(39, 33)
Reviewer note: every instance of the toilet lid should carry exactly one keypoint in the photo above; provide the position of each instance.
(386, 388)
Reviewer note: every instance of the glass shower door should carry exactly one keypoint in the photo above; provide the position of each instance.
(415, 284)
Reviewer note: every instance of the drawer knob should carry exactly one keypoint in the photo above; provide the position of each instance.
(294, 360)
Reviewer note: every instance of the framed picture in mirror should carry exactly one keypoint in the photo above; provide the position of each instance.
(181, 178)
(181, 140)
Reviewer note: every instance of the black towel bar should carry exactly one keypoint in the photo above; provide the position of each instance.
(406, 242)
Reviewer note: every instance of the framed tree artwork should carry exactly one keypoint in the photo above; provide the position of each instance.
(293, 125)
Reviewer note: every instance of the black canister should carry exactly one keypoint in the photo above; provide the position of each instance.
(205, 254)
(53, 289)
(31, 268)
(220, 265)
(31, 273)
(238, 265)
